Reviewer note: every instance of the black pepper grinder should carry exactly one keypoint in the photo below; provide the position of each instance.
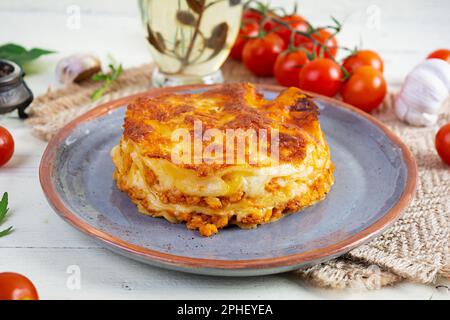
(14, 92)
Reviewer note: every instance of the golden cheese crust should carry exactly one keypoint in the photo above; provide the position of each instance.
(208, 196)
(150, 121)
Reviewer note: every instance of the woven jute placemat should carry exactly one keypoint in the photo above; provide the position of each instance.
(416, 247)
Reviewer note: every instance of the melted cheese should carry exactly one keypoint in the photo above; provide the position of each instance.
(293, 181)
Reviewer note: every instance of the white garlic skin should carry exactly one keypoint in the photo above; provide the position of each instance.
(77, 67)
(423, 93)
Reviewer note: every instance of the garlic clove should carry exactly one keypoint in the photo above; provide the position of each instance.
(77, 67)
(440, 69)
(423, 93)
(405, 113)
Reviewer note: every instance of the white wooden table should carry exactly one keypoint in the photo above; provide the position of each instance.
(45, 248)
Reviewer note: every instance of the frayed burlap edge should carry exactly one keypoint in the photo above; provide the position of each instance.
(344, 273)
(416, 247)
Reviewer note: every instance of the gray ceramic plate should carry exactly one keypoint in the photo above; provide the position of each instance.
(374, 181)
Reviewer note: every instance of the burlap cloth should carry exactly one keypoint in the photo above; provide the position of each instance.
(416, 247)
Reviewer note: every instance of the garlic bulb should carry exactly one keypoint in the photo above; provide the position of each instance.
(77, 67)
(423, 93)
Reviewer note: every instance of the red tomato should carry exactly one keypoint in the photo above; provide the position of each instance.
(365, 89)
(323, 76)
(293, 18)
(260, 54)
(287, 67)
(295, 21)
(443, 54)
(269, 24)
(250, 29)
(363, 58)
(443, 143)
(251, 15)
(286, 33)
(323, 37)
(14, 286)
(6, 146)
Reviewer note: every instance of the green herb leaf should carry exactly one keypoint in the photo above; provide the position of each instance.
(20, 55)
(6, 232)
(3, 206)
(107, 78)
(3, 211)
(99, 77)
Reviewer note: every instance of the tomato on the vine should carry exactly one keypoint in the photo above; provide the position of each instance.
(6, 146)
(251, 15)
(286, 33)
(287, 67)
(323, 76)
(293, 18)
(249, 29)
(326, 40)
(295, 22)
(269, 24)
(443, 54)
(365, 89)
(14, 286)
(443, 143)
(363, 58)
(260, 54)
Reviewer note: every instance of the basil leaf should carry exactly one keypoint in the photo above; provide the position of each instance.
(20, 55)
(3, 206)
(6, 232)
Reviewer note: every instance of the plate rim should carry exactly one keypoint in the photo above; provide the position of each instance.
(46, 172)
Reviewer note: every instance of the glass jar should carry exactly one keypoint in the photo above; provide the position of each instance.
(190, 39)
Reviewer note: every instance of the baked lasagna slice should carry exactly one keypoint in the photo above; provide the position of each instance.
(181, 158)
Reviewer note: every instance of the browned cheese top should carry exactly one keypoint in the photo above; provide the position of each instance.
(150, 121)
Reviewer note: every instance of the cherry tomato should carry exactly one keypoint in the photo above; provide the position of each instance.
(443, 54)
(250, 29)
(365, 89)
(250, 15)
(323, 76)
(14, 286)
(6, 146)
(260, 54)
(323, 37)
(296, 22)
(271, 25)
(363, 58)
(286, 34)
(293, 18)
(443, 143)
(287, 67)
